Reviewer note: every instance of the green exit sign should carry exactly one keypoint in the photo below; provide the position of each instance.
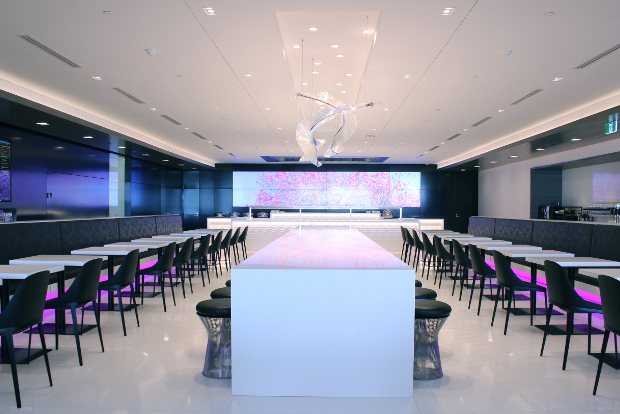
(612, 124)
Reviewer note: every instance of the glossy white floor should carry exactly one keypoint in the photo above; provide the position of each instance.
(157, 369)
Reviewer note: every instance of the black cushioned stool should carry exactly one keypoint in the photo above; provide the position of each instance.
(228, 283)
(418, 283)
(221, 293)
(215, 316)
(423, 293)
(430, 315)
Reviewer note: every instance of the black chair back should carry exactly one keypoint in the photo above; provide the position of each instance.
(127, 271)
(428, 246)
(226, 240)
(244, 234)
(203, 247)
(164, 264)
(459, 254)
(409, 238)
(186, 251)
(416, 241)
(441, 249)
(235, 238)
(505, 275)
(610, 292)
(85, 287)
(560, 290)
(402, 234)
(25, 308)
(478, 263)
(217, 243)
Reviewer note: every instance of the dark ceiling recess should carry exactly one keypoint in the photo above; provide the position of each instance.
(356, 160)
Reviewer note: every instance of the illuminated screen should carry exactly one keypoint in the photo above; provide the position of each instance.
(5, 170)
(297, 189)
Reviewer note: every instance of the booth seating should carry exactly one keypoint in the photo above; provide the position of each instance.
(215, 316)
(430, 316)
(221, 293)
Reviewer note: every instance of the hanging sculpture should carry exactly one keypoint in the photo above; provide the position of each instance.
(335, 109)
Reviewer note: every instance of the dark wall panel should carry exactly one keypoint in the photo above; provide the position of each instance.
(29, 189)
(545, 189)
(223, 200)
(207, 179)
(145, 199)
(191, 201)
(171, 200)
(206, 201)
(74, 196)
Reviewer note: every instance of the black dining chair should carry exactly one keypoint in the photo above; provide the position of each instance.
(419, 249)
(225, 247)
(463, 264)
(507, 279)
(159, 270)
(610, 292)
(444, 257)
(430, 254)
(124, 276)
(199, 257)
(410, 246)
(403, 251)
(82, 291)
(24, 310)
(234, 241)
(214, 252)
(180, 261)
(242, 239)
(562, 294)
(483, 271)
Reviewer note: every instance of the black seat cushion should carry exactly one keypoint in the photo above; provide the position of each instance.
(214, 308)
(423, 293)
(228, 283)
(418, 284)
(431, 309)
(220, 293)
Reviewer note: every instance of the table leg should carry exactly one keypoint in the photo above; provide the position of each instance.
(60, 313)
(533, 276)
(4, 357)
(110, 274)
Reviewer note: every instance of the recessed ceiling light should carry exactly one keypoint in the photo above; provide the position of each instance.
(121, 147)
(465, 129)
(87, 137)
(247, 75)
(407, 76)
(146, 155)
(107, 12)
(374, 129)
(153, 109)
(339, 84)
(186, 128)
(317, 63)
(42, 123)
(493, 162)
(477, 166)
(313, 29)
(550, 14)
(181, 165)
(365, 142)
(501, 110)
(463, 169)
(401, 143)
(447, 11)
(296, 47)
(441, 143)
(278, 128)
(386, 109)
(367, 31)
(59, 147)
(165, 160)
(540, 149)
(335, 46)
(514, 156)
(576, 139)
(237, 128)
(349, 74)
(209, 11)
(343, 91)
(315, 73)
(557, 79)
(339, 56)
(97, 77)
(267, 109)
(210, 142)
(304, 83)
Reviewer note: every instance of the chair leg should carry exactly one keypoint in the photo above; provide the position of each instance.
(77, 334)
(29, 345)
(142, 291)
(189, 279)
(589, 333)
(600, 361)
(47, 361)
(455, 279)
(135, 305)
(178, 271)
(174, 301)
(9, 343)
(473, 287)
(163, 293)
(464, 279)
(481, 294)
(570, 319)
(510, 295)
(495, 307)
(98, 319)
(549, 311)
(120, 305)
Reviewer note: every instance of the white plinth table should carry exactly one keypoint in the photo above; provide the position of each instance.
(325, 313)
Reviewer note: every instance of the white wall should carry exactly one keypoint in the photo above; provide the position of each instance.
(596, 184)
(505, 191)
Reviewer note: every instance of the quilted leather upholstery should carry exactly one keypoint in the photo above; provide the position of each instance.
(132, 228)
(87, 233)
(169, 224)
(28, 239)
(516, 231)
(605, 242)
(481, 226)
(566, 237)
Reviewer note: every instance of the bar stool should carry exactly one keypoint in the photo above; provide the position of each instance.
(228, 283)
(419, 248)
(418, 284)
(221, 293)
(423, 293)
(405, 249)
(430, 316)
(234, 241)
(215, 316)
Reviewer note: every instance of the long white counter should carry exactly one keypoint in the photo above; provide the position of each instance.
(323, 312)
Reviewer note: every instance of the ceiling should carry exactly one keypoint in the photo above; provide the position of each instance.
(435, 75)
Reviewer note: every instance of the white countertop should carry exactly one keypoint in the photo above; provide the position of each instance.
(55, 260)
(23, 271)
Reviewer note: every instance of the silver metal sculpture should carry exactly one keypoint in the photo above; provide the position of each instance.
(335, 109)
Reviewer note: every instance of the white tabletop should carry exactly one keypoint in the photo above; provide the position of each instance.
(177, 239)
(185, 236)
(551, 254)
(54, 260)
(595, 273)
(108, 251)
(137, 244)
(203, 231)
(468, 240)
(491, 243)
(575, 261)
(23, 271)
(460, 236)
(153, 241)
(490, 247)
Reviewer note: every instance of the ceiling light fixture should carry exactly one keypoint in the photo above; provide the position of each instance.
(493, 162)
(407, 76)
(267, 109)
(186, 128)
(476, 166)
(501, 110)
(165, 160)
(576, 139)
(339, 56)
(153, 109)
(386, 109)
(97, 77)
(315, 73)
(278, 128)
(465, 130)
(42, 123)
(540, 149)
(121, 147)
(335, 46)
(317, 63)
(313, 29)
(339, 84)
(343, 91)
(514, 156)
(296, 47)
(366, 31)
(349, 74)
(304, 83)
(447, 11)
(557, 79)
(247, 75)
(88, 137)
(209, 11)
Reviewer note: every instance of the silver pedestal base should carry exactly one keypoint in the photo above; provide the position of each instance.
(217, 360)
(426, 361)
